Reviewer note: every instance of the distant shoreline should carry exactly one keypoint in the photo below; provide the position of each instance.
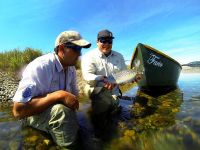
(187, 69)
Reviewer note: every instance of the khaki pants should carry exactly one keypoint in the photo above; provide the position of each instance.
(59, 121)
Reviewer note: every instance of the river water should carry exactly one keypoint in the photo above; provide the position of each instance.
(167, 121)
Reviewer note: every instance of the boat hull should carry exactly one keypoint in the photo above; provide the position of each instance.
(158, 69)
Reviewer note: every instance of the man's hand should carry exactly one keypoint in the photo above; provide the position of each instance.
(137, 78)
(108, 85)
(68, 99)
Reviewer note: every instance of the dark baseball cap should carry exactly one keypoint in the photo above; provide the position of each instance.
(105, 34)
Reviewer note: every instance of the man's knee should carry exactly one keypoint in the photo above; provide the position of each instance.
(63, 125)
(62, 113)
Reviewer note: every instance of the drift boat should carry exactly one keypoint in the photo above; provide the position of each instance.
(156, 68)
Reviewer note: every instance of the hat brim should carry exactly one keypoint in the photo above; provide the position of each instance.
(106, 37)
(82, 43)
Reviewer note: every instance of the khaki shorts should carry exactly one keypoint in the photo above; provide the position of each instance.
(59, 121)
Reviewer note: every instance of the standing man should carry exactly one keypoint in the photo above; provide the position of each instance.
(46, 98)
(98, 64)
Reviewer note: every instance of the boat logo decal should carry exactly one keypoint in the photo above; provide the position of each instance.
(154, 60)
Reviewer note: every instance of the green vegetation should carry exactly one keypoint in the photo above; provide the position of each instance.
(15, 59)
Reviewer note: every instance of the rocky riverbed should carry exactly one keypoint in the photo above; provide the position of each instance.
(8, 86)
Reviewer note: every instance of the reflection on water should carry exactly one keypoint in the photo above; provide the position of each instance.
(166, 121)
(152, 114)
(159, 109)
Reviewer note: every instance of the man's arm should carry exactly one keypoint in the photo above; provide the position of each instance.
(39, 104)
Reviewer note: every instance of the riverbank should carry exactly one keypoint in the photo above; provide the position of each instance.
(187, 69)
(8, 86)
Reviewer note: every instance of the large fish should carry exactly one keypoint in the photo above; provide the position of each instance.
(122, 77)
(119, 77)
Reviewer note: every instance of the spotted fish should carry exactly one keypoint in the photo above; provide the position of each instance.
(122, 77)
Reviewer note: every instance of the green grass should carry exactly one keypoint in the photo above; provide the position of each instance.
(13, 60)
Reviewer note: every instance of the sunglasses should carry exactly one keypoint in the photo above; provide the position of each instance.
(104, 41)
(74, 47)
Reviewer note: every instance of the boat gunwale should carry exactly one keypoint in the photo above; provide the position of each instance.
(152, 49)
(133, 57)
(161, 53)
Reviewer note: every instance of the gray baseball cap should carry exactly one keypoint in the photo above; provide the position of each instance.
(72, 37)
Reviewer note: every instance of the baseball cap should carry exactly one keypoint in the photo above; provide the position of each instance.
(105, 34)
(73, 37)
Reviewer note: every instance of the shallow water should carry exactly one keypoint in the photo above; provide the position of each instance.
(162, 122)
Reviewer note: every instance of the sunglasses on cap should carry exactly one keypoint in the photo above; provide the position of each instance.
(104, 41)
(73, 46)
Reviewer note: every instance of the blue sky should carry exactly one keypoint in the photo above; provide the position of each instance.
(172, 26)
